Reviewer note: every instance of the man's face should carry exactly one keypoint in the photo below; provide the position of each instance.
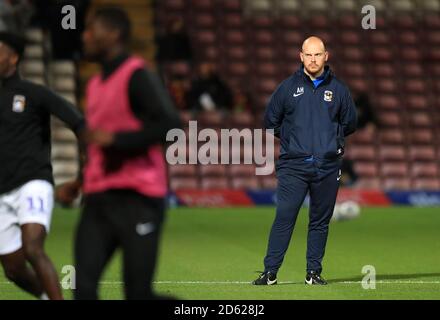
(8, 59)
(314, 58)
(97, 39)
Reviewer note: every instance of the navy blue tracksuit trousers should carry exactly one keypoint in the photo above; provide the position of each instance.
(295, 179)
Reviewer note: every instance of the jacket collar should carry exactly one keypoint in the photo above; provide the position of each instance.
(326, 75)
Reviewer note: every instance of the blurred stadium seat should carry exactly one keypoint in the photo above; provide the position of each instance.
(397, 184)
(391, 119)
(34, 35)
(345, 6)
(394, 169)
(369, 183)
(250, 182)
(401, 5)
(422, 153)
(208, 183)
(392, 136)
(242, 120)
(211, 119)
(362, 153)
(368, 169)
(178, 183)
(212, 170)
(422, 169)
(240, 170)
(231, 5)
(427, 184)
(182, 170)
(396, 153)
(364, 137)
(288, 6)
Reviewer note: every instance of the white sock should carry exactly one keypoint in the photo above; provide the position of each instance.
(44, 296)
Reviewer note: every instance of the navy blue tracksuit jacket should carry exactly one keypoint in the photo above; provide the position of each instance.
(311, 123)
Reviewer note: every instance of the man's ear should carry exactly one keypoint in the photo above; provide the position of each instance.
(301, 55)
(326, 56)
(14, 59)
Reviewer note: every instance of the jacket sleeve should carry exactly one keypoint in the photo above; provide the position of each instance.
(59, 107)
(274, 114)
(65, 111)
(348, 114)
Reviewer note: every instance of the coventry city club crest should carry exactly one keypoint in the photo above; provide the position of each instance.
(18, 103)
(328, 95)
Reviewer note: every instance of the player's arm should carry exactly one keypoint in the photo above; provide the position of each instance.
(274, 114)
(348, 114)
(59, 107)
(56, 105)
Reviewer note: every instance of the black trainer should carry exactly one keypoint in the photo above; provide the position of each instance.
(314, 278)
(266, 279)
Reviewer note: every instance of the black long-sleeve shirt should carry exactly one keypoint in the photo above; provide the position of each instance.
(25, 137)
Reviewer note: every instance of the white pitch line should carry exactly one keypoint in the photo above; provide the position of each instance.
(284, 282)
(392, 282)
(249, 282)
(292, 282)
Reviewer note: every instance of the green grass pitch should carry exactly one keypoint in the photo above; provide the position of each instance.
(213, 253)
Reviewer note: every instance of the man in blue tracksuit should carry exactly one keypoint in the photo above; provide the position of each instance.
(311, 112)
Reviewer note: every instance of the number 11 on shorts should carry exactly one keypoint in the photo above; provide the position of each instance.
(36, 204)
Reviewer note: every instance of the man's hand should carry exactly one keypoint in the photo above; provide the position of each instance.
(99, 137)
(67, 192)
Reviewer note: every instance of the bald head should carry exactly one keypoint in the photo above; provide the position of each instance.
(314, 56)
(313, 43)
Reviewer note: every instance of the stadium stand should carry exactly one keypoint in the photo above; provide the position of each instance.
(255, 45)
